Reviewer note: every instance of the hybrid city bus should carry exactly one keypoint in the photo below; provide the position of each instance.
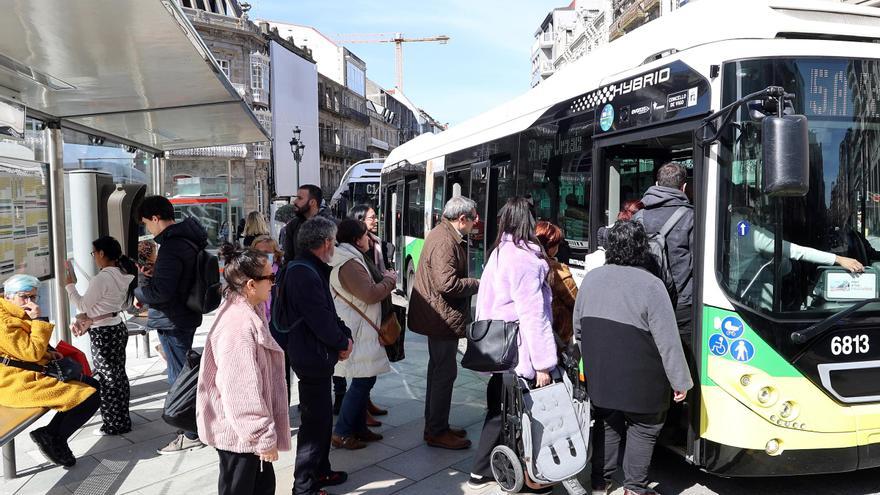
(787, 351)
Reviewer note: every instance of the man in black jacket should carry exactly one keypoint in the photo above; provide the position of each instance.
(317, 340)
(307, 204)
(166, 293)
(661, 202)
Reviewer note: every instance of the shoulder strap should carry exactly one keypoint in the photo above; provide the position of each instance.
(191, 243)
(5, 360)
(667, 227)
(356, 309)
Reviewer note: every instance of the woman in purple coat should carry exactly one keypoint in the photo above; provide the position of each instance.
(514, 288)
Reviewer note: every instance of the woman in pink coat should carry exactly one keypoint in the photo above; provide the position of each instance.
(514, 288)
(241, 405)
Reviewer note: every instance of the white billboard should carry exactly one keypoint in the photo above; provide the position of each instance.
(294, 93)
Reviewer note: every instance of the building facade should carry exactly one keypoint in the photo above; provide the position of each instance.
(568, 33)
(240, 50)
(343, 130)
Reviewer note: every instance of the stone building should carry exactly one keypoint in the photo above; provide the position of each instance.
(241, 51)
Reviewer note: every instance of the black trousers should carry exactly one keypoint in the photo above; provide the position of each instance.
(442, 371)
(641, 432)
(241, 474)
(313, 439)
(64, 424)
(491, 435)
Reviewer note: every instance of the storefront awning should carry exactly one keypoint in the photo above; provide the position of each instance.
(131, 69)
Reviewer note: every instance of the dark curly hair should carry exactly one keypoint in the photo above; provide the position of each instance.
(627, 244)
(241, 266)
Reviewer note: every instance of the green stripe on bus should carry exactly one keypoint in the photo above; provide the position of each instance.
(413, 250)
(763, 356)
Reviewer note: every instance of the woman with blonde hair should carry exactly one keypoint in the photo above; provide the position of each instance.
(254, 226)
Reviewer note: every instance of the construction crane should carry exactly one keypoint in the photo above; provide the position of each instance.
(397, 39)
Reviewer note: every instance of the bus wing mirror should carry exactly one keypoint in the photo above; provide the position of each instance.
(786, 154)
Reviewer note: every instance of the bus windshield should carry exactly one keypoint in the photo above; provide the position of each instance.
(839, 217)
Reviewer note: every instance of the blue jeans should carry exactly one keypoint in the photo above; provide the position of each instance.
(176, 343)
(353, 415)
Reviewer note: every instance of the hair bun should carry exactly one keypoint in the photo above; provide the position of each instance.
(228, 252)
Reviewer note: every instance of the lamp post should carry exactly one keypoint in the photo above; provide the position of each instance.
(297, 147)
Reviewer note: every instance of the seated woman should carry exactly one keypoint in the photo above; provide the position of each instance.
(25, 338)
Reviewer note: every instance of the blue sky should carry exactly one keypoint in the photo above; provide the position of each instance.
(485, 64)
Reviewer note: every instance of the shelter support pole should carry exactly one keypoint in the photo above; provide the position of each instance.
(158, 175)
(59, 232)
(231, 229)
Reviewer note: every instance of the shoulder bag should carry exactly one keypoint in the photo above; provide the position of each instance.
(389, 332)
(491, 344)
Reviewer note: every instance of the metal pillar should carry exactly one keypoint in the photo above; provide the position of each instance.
(9, 468)
(158, 180)
(231, 229)
(59, 233)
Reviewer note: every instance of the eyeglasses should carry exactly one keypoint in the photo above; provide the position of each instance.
(270, 277)
(25, 296)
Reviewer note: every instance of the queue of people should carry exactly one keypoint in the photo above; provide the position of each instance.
(315, 308)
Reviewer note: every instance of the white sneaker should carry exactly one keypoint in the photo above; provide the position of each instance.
(476, 481)
(180, 445)
(574, 487)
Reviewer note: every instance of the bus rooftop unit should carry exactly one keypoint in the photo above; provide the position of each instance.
(786, 344)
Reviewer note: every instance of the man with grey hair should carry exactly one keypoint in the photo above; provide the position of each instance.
(316, 340)
(440, 307)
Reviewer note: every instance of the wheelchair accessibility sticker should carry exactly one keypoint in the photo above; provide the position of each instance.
(732, 327)
(742, 350)
(718, 344)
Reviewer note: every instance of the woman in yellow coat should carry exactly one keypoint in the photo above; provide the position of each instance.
(25, 338)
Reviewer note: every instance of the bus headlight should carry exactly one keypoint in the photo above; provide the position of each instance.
(773, 447)
(745, 380)
(766, 396)
(789, 410)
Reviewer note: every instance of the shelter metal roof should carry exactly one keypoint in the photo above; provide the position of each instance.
(131, 69)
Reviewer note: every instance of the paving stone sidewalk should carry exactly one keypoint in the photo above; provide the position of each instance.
(128, 464)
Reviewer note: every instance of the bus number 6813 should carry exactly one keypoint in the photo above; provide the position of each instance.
(855, 344)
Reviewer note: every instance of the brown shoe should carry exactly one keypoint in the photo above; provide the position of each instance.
(376, 410)
(347, 443)
(447, 440)
(373, 422)
(368, 436)
(459, 432)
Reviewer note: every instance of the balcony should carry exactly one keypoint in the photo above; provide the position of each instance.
(545, 40)
(378, 143)
(547, 68)
(241, 89)
(261, 96)
(228, 151)
(356, 115)
(329, 106)
(632, 14)
(332, 149)
(261, 151)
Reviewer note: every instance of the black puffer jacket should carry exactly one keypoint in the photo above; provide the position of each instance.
(173, 276)
(660, 203)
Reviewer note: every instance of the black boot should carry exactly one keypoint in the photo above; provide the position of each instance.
(53, 448)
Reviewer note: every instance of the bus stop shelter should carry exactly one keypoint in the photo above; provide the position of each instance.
(130, 71)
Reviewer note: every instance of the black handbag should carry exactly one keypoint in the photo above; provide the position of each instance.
(396, 350)
(491, 346)
(180, 403)
(64, 369)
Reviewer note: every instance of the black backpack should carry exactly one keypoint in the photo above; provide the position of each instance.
(204, 295)
(659, 263)
(180, 402)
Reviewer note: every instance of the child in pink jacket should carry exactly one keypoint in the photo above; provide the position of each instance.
(242, 405)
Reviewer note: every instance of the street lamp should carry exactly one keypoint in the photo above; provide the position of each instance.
(297, 147)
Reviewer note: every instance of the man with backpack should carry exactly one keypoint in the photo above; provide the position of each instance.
(167, 293)
(667, 205)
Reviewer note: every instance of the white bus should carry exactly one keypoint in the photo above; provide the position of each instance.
(361, 185)
(786, 384)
